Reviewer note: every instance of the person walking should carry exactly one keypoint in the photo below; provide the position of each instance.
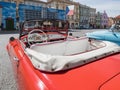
(1, 26)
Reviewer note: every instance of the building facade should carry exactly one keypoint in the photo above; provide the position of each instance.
(98, 20)
(26, 12)
(14, 1)
(55, 9)
(84, 16)
(35, 3)
(117, 19)
(0, 15)
(8, 12)
(110, 21)
(92, 17)
(104, 20)
(62, 4)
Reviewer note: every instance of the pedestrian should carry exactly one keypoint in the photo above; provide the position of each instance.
(1, 26)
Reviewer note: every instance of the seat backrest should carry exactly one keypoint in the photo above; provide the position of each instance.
(52, 48)
(76, 46)
(63, 48)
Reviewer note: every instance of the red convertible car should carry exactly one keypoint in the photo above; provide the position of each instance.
(47, 58)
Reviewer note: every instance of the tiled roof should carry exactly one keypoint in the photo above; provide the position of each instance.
(117, 17)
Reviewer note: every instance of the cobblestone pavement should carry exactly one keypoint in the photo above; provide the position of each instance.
(7, 81)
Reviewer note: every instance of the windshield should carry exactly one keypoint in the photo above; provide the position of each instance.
(115, 27)
(44, 25)
(29, 25)
(112, 27)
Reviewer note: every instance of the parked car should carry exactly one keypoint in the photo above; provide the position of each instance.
(113, 34)
(81, 27)
(48, 59)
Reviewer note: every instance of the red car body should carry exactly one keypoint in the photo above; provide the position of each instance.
(103, 74)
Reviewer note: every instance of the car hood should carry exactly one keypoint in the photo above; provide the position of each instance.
(98, 34)
(105, 35)
(88, 77)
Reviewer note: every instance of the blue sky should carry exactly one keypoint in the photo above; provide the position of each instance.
(112, 7)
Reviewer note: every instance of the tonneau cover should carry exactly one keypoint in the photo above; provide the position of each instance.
(53, 63)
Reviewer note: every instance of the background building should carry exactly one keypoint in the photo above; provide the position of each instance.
(98, 20)
(35, 3)
(110, 21)
(8, 15)
(11, 15)
(104, 20)
(117, 19)
(92, 17)
(84, 16)
(29, 12)
(13, 0)
(21, 10)
(62, 4)
(0, 15)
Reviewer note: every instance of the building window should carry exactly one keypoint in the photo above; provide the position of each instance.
(32, 14)
(72, 17)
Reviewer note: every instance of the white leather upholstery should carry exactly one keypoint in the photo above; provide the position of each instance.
(52, 63)
(63, 48)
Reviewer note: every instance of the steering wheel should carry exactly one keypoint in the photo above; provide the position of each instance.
(35, 36)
